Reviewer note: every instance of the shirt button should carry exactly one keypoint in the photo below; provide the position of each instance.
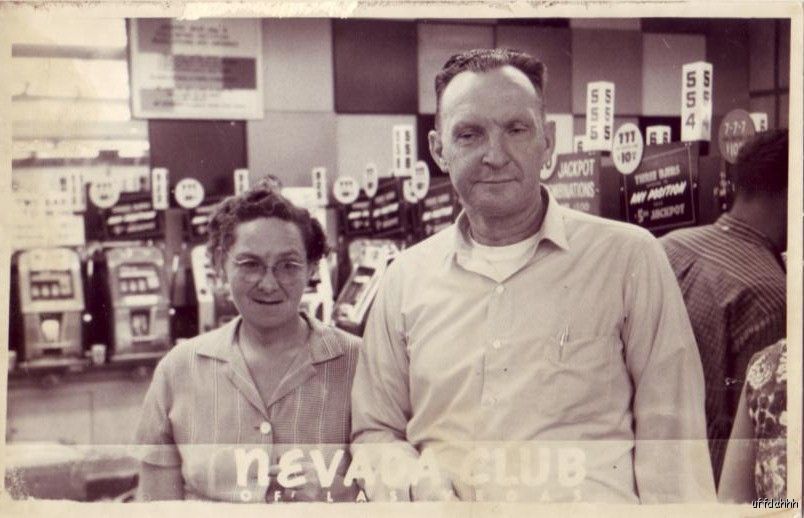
(499, 289)
(496, 344)
(265, 428)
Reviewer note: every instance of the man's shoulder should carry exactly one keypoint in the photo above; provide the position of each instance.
(430, 249)
(692, 237)
(591, 228)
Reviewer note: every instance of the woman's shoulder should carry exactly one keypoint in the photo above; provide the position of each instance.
(337, 338)
(208, 344)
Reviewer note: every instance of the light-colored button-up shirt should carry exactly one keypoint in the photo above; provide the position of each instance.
(577, 378)
(203, 412)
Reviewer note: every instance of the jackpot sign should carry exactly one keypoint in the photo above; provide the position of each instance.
(575, 182)
(659, 193)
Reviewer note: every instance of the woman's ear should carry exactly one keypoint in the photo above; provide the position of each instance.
(218, 260)
(312, 270)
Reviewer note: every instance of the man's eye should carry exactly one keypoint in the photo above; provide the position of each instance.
(466, 135)
(518, 130)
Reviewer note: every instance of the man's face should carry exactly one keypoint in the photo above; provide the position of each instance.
(492, 141)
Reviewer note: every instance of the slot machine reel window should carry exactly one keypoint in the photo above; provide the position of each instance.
(355, 289)
(138, 279)
(51, 285)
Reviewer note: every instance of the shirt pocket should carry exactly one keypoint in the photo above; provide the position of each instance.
(578, 375)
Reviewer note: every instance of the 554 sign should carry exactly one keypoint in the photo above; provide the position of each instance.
(696, 102)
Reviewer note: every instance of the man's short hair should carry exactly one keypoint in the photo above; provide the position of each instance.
(762, 164)
(483, 60)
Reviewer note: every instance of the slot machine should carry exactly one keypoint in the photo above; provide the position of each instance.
(317, 300)
(51, 299)
(357, 295)
(215, 306)
(138, 294)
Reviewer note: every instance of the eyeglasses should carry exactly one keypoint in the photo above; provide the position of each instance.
(285, 272)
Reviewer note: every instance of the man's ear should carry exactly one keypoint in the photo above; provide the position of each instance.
(549, 137)
(437, 150)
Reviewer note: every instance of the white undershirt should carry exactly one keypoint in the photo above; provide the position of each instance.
(499, 262)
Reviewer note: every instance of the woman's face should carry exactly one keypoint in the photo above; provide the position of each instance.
(267, 271)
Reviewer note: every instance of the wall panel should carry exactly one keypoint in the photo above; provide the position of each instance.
(608, 55)
(367, 138)
(761, 42)
(289, 145)
(662, 58)
(375, 66)
(727, 50)
(553, 46)
(297, 64)
(437, 42)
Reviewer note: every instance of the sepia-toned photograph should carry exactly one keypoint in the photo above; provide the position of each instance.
(492, 259)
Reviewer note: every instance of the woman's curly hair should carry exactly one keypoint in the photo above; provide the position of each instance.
(261, 201)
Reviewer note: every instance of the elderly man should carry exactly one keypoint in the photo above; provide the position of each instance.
(528, 352)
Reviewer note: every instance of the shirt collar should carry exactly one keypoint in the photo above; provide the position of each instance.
(219, 343)
(553, 227)
(739, 228)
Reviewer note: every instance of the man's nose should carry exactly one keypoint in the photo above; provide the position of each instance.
(496, 154)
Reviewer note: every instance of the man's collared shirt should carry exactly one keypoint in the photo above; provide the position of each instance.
(734, 287)
(576, 378)
(203, 407)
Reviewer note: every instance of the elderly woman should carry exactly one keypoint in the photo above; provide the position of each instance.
(224, 406)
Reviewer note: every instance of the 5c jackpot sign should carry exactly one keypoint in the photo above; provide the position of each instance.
(658, 194)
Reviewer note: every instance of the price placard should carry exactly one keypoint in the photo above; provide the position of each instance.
(104, 193)
(77, 192)
(627, 149)
(657, 135)
(371, 180)
(599, 116)
(403, 149)
(319, 175)
(189, 193)
(735, 129)
(346, 190)
(159, 188)
(241, 181)
(659, 193)
(409, 192)
(760, 120)
(696, 101)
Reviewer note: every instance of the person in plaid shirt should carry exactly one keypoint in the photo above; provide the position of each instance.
(732, 276)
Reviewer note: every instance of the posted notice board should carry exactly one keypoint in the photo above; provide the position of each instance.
(658, 194)
(201, 69)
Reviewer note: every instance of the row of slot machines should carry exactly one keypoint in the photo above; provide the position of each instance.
(114, 301)
(115, 306)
